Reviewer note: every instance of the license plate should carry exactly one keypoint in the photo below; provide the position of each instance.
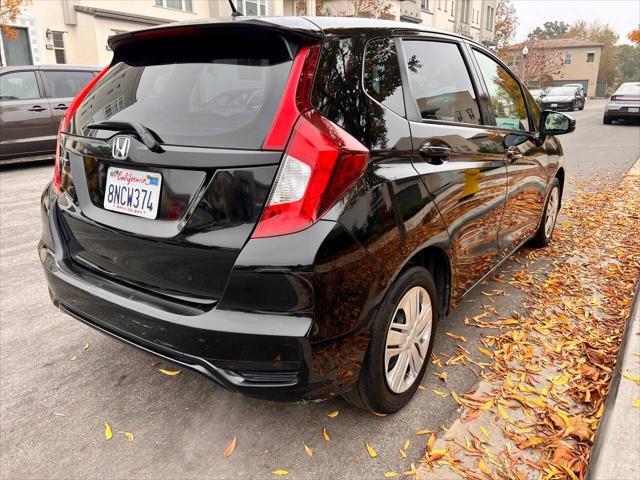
(634, 110)
(133, 192)
(554, 104)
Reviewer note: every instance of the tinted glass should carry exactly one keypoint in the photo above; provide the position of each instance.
(506, 96)
(221, 96)
(66, 84)
(382, 79)
(440, 82)
(19, 86)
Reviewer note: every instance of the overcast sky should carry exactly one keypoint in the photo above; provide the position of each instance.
(622, 15)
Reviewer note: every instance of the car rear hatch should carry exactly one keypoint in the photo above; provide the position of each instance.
(163, 164)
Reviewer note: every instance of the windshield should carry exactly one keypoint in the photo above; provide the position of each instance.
(561, 91)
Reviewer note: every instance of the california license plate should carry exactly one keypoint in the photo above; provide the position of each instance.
(634, 110)
(133, 192)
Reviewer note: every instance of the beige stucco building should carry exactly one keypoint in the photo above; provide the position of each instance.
(472, 18)
(578, 60)
(76, 31)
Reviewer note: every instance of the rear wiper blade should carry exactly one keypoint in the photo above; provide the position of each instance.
(146, 135)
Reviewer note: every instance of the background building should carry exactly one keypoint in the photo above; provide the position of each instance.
(561, 60)
(76, 31)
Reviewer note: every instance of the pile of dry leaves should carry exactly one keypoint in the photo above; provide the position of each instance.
(546, 373)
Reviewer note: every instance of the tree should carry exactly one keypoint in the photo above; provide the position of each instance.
(506, 22)
(550, 30)
(634, 36)
(628, 59)
(541, 64)
(9, 12)
(597, 32)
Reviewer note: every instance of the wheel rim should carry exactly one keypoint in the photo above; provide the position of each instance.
(408, 340)
(552, 212)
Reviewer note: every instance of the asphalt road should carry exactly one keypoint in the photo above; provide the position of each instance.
(183, 424)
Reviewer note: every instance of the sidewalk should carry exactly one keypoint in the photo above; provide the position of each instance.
(616, 452)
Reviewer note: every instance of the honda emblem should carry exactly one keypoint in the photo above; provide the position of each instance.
(120, 148)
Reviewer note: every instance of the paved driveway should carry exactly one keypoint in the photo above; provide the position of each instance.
(183, 424)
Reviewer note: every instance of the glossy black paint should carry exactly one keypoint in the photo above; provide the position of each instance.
(289, 317)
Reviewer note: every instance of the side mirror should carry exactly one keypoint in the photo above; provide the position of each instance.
(556, 123)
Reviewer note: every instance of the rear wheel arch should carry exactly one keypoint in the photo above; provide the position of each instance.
(437, 262)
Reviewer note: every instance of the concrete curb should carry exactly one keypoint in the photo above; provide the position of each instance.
(616, 451)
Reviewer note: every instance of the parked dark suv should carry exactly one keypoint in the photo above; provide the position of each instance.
(289, 206)
(33, 100)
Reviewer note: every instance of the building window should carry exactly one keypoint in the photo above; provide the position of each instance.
(58, 47)
(568, 58)
(591, 57)
(252, 8)
(424, 4)
(17, 49)
(465, 10)
(184, 5)
(490, 14)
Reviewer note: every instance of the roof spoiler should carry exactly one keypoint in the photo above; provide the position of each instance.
(297, 27)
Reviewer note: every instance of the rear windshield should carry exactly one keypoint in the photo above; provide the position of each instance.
(629, 89)
(221, 96)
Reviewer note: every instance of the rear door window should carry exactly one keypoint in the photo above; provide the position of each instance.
(65, 84)
(381, 74)
(221, 92)
(19, 86)
(440, 82)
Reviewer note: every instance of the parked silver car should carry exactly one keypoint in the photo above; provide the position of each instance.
(624, 103)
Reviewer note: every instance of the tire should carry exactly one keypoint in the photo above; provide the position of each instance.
(543, 235)
(582, 106)
(607, 120)
(372, 390)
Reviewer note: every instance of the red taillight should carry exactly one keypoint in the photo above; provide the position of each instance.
(295, 99)
(64, 123)
(321, 163)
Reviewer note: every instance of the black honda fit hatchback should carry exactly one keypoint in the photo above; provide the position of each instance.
(289, 206)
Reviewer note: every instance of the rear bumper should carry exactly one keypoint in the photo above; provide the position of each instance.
(266, 354)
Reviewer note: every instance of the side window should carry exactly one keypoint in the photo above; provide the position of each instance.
(440, 82)
(506, 97)
(381, 74)
(61, 84)
(19, 86)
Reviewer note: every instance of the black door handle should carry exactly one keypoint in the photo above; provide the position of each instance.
(61, 106)
(37, 108)
(435, 154)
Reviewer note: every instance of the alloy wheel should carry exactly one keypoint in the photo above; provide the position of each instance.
(552, 212)
(408, 339)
